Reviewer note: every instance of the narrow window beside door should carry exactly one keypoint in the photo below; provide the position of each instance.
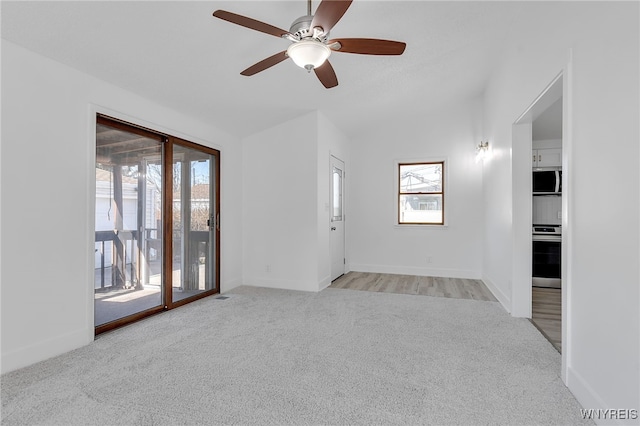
(336, 177)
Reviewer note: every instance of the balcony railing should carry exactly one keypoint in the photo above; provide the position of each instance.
(129, 264)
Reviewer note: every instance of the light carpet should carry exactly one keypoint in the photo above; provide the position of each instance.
(267, 356)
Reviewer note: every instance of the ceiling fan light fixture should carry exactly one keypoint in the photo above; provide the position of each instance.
(309, 54)
(311, 46)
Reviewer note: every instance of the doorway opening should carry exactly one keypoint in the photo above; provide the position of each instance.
(156, 223)
(539, 206)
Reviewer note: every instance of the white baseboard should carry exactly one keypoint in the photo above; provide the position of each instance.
(230, 284)
(281, 284)
(413, 270)
(590, 399)
(504, 299)
(45, 349)
(324, 283)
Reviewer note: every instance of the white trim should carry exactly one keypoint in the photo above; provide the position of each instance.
(230, 284)
(504, 299)
(282, 284)
(589, 398)
(521, 208)
(91, 223)
(45, 349)
(541, 100)
(426, 226)
(2, 363)
(567, 224)
(324, 282)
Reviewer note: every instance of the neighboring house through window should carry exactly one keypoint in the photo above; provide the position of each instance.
(421, 193)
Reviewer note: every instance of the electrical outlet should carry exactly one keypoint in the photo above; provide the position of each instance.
(267, 268)
(559, 215)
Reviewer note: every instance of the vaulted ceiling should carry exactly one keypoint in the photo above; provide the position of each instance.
(178, 55)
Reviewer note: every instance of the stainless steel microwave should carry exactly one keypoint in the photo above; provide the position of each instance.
(547, 181)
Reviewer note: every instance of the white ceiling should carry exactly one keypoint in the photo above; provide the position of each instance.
(177, 54)
(548, 125)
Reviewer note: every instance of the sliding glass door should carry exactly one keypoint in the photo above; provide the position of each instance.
(128, 238)
(156, 223)
(194, 222)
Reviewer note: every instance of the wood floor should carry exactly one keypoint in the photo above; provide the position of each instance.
(457, 288)
(546, 302)
(547, 314)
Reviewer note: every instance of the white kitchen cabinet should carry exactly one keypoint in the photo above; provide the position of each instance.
(547, 157)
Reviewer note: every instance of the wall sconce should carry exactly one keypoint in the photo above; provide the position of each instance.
(482, 150)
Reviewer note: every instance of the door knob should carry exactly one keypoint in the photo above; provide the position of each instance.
(333, 228)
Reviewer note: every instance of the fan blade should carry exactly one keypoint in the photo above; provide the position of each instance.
(265, 63)
(326, 75)
(369, 46)
(250, 23)
(329, 13)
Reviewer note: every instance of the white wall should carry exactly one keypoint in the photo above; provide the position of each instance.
(601, 354)
(47, 147)
(376, 243)
(48, 182)
(286, 191)
(548, 125)
(279, 206)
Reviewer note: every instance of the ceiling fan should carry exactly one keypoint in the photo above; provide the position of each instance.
(311, 47)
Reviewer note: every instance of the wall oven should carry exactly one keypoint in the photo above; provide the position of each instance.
(547, 244)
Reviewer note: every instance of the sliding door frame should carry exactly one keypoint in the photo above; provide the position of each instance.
(168, 142)
(168, 221)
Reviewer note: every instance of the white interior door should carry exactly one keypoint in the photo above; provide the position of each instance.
(337, 218)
